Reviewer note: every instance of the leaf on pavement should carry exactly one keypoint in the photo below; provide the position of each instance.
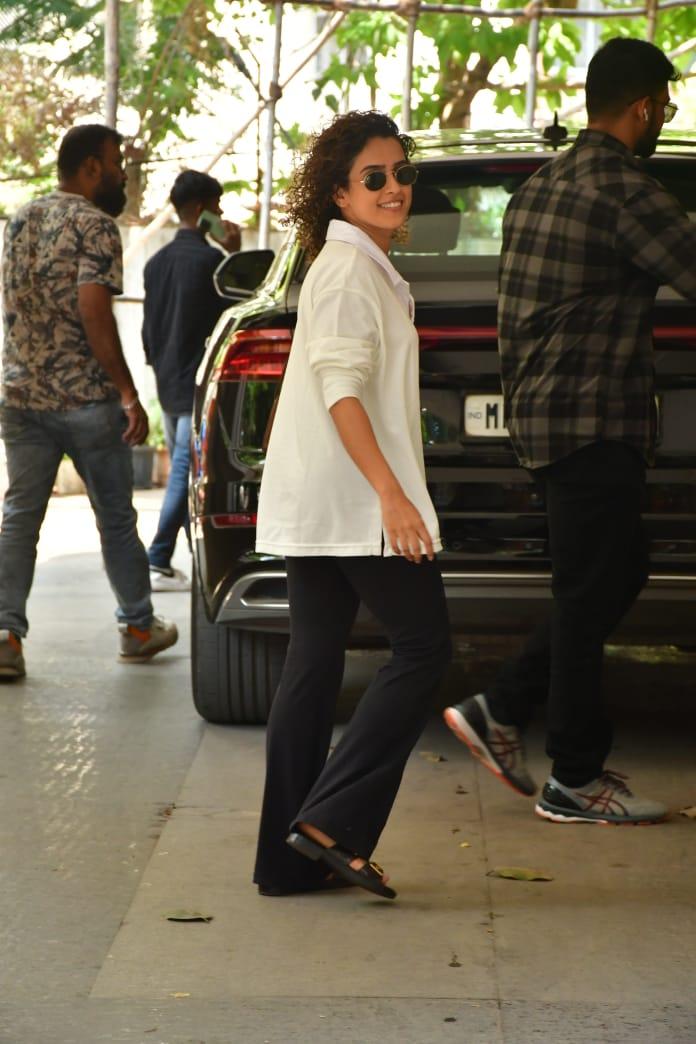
(430, 755)
(689, 812)
(188, 915)
(519, 873)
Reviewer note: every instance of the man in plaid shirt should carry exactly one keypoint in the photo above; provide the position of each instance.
(587, 241)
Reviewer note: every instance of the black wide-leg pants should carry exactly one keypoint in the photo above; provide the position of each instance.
(599, 562)
(349, 796)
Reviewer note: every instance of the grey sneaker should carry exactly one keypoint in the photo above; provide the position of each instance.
(138, 645)
(498, 747)
(168, 580)
(606, 799)
(11, 659)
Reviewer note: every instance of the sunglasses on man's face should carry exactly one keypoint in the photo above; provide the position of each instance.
(375, 180)
(670, 111)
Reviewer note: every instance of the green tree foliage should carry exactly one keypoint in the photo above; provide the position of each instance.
(34, 112)
(471, 54)
(171, 59)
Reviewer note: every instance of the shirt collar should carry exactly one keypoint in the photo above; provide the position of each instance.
(608, 141)
(343, 232)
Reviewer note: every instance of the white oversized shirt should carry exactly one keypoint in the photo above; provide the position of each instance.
(354, 338)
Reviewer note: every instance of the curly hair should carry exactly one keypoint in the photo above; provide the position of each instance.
(325, 168)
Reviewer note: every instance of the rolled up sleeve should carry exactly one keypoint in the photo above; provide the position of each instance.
(344, 343)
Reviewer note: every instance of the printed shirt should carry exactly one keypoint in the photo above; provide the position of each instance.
(52, 246)
(354, 338)
(587, 240)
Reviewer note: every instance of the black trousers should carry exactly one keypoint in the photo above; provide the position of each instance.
(599, 565)
(349, 796)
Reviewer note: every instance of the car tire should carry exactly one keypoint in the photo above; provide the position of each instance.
(234, 673)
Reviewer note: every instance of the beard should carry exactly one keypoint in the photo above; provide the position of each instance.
(647, 143)
(110, 197)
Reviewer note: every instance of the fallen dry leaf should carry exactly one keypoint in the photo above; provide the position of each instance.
(179, 994)
(464, 844)
(430, 755)
(188, 915)
(689, 812)
(519, 873)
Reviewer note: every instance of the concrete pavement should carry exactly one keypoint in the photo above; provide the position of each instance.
(121, 807)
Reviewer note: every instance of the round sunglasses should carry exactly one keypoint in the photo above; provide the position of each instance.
(375, 180)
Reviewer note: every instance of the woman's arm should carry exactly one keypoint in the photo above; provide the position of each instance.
(404, 526)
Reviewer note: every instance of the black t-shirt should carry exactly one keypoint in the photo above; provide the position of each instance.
(181, 308)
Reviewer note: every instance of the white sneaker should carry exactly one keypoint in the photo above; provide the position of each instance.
(168, 580)
(138, 646)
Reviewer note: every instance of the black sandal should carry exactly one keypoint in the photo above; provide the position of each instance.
(339, 859)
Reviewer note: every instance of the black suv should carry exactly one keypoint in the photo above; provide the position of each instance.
(495, 560)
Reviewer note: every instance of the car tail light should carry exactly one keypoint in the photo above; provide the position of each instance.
(255, 354)
(684, 335)
(235, 519)
(438, 336)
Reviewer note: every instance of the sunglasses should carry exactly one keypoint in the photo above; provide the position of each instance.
(671, 110)
(375, 180)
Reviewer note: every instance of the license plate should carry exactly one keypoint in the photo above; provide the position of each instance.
(483, 416)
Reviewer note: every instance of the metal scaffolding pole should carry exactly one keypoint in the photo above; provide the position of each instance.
(533, 48)
(111, 61)
(411, 13)
(274, 93)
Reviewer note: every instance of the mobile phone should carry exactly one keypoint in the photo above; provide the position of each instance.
(208, 222)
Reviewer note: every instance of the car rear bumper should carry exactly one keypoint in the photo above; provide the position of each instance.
(480, 603)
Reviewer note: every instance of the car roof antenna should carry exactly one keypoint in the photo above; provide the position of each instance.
(556, 133)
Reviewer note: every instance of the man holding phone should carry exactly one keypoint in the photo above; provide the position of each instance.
(181, 308)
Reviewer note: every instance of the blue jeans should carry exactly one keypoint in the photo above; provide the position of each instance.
(174, 514)
(35, 442)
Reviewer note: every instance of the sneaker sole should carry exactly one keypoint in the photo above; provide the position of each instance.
(11, 672)
(561, 817)
(464, 732)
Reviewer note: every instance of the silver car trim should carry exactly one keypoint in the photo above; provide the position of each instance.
(240, 603)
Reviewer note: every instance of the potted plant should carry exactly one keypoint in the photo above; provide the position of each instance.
(144, 456)
(157, 440)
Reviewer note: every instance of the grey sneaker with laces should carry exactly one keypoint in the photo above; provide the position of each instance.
(606, 800)
(139, 645)
(498, 747)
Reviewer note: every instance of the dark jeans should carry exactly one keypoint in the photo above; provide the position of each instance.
(599, 565)
(349, 796)
(174, 510)
(35, 441)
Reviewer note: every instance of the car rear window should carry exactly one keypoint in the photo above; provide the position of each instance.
(455, 225)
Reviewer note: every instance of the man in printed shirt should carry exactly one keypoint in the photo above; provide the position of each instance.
(586, 243)
(66, 388)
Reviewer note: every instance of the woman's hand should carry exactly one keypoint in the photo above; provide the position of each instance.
(405, 528)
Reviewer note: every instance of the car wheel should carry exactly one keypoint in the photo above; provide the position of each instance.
(234, 673)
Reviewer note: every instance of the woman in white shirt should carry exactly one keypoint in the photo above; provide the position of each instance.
(343, 498)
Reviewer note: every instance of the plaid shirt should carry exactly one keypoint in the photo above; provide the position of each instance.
(587, 241)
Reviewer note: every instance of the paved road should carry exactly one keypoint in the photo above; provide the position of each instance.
(121, 806)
